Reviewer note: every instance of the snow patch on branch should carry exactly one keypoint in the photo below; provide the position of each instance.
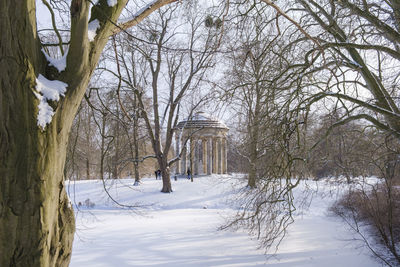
(92, 28)
(59, 63)
(47, 90)
(112, 3)
(51, 90)
(139, 12)
(354, 63)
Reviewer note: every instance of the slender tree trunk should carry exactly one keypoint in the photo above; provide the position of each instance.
(136, 148)
(134, 144)
(88, 146)
(254, 130)
(87, 169)
(116, 155)
(102, 148)
(251, 182)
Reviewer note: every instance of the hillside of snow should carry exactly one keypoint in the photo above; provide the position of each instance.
(181, 228)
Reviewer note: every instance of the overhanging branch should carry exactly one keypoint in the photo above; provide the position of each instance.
(142, 14)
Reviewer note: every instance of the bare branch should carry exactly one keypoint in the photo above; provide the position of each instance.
(142, 14)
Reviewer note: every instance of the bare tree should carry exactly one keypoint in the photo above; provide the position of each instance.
(350, 59)
(37, 222)
(162, 67)
(272, 132)
(253, 88)
(337, 56)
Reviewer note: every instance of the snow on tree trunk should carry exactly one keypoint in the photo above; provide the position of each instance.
(36, 219)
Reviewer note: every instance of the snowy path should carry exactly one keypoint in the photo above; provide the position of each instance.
(176, 230)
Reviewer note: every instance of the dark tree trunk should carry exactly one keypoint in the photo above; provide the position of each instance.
(136, 148)
(165, 172)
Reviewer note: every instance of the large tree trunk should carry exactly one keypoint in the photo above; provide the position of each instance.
(36, 218)
(251, 181)
(37, 221)
(166, 176)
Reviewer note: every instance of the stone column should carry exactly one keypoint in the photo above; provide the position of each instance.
(209, 155)
(205, 155)
(177, 151)
(183, 161)
(224, 156)
(191, 163)
(195, 157)
(219, 155)
(214, 156)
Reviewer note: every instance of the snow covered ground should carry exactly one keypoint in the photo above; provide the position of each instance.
(181, 228)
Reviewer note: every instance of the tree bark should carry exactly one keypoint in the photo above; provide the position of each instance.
(253, 147)
(136, 146)
(88, 146)
(103, 145)
(254, 120)
(165, 172)
(37, 222)
(36, 218)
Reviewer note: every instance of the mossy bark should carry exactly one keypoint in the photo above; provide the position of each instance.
(36, 219)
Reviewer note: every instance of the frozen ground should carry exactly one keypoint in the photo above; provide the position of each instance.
(181, 228)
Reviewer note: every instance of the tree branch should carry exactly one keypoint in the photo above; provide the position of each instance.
(53, 22)
(141, 15)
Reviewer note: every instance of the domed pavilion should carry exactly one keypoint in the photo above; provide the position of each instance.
(201, 142)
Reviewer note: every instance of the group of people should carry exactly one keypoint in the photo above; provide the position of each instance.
(158, 174)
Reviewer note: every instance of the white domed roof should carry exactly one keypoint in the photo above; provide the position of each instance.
(201, 120)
